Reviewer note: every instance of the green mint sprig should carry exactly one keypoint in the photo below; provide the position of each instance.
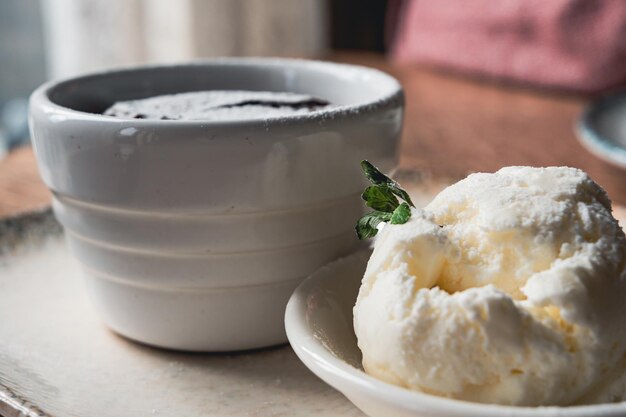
(382, 196)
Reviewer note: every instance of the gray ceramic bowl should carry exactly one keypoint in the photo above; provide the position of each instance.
(193, 234)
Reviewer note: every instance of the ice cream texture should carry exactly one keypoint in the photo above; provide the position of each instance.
(508, 288)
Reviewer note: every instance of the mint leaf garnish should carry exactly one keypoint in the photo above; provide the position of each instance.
(402, 194)
(373, 174)
(401, 214)
(378, 178)
(382, 196)
(367, 226)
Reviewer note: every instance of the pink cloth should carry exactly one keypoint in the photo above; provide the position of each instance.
(571, 44)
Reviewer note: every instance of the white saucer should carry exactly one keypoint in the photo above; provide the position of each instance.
(319, 327)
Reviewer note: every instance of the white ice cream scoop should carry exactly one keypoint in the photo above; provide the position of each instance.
(508, 288)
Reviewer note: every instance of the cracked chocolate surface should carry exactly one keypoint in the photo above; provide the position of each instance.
(217, 105)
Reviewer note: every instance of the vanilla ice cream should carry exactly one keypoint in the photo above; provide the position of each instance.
(508, 288)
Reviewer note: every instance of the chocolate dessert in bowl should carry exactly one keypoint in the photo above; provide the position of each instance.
(197, 197)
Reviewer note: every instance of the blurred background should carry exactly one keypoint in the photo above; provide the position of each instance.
(488, 83)
(48, 39)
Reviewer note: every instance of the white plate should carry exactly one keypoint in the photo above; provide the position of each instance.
(318, 321)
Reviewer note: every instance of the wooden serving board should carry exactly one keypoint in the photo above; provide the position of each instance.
(57, 358)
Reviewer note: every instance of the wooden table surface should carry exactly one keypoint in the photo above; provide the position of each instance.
(453, 125)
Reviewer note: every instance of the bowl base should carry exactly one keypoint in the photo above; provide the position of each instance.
(198, 320)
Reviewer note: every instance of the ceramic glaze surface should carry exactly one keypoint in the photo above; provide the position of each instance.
(193, 234)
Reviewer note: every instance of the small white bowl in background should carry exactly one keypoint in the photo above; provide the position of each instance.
(318, 320)
(602, 128)
(193, 234)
